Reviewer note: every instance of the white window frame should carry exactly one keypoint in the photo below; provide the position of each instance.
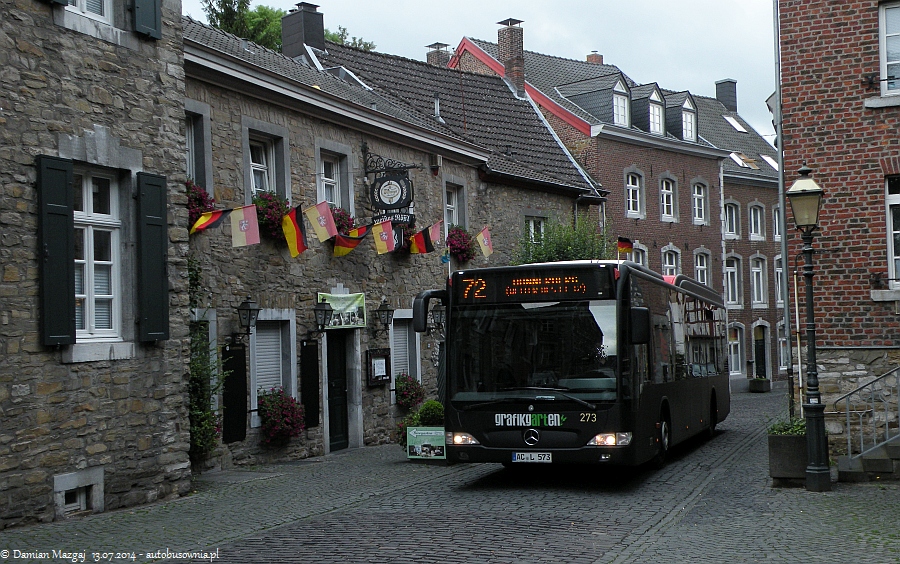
(621, 115)
(634, 195)
(87, 221)
(83, 7)
(688, 122)
(701, 268)
(451, 205)
(536, 226)
(699, 204)
(776, 223)
(735, 350)
(732, 220)
(732, 290)
(638, 255)
(889, 87)
(759, 295)
(892, 203)
(783, 346)
(330, 183)
(190, 148)
(779, 282)
(656, 118)
(668, 200)
(264, 166)
(757, 222)
(671, 262)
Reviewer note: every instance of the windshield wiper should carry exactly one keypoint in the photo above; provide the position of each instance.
(492, 402)
(558, 391)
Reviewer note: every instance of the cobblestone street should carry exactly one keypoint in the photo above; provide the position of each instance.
(713, 502)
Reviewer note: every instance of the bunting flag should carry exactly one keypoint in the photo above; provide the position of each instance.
(244, 226)
(421, 242)
(384, 237)
(294, 232)
(435, 232)
(343, 244)
(484, 241)
(321, 220)
(210, 219)
(625, 245)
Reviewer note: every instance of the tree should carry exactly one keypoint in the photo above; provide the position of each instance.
(564, 241)
(264, 25)
(341, 37)
(228, 15)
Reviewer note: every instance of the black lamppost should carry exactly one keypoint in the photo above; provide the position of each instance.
(805, 197)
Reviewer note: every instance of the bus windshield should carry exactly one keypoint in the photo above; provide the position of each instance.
(512, 350)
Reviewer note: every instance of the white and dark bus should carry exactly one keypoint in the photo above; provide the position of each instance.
(578, 362)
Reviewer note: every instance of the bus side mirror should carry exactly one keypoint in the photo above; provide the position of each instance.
(420, 308)
(640, 326)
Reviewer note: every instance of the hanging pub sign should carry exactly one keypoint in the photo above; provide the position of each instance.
(349, 310)
(392, 191)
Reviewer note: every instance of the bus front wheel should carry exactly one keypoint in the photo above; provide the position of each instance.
(663, 440)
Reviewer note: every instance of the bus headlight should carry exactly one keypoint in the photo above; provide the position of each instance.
(611, 439)
(461, 439)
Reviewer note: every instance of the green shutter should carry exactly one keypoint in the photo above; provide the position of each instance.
(153, 282)
(148, 18)
(56, 240)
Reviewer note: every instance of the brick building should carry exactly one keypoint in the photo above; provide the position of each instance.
(841, 110)
(93, 314)
(690, 182)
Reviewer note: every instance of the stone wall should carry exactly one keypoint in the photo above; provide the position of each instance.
(107, 99)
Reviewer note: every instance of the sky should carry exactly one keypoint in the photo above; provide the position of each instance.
(680, 45)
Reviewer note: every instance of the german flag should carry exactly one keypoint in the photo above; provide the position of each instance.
(209, 220)
(343, 244)
(294, 231)
(421, 242)
(625, 245)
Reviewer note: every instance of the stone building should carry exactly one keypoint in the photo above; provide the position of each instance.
(312, 123)
(840, 113)
(684, 174)
(93, 315)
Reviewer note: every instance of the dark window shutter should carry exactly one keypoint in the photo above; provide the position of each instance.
(153, 282)
(57, 250)
(148, 18)
(60, 2)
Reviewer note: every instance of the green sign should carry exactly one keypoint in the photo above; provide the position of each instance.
(425, 442)
(349, 310)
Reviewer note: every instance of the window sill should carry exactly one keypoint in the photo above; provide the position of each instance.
(882, 101)
(95, 352)
(885, 295)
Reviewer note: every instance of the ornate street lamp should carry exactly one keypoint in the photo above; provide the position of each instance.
(248, 313)
(323, 313)
(438, 317)
(805, 197)
(385, 315)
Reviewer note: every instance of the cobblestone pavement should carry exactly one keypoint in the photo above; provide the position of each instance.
(713, 502)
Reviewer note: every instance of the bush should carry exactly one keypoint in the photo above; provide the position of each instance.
(431, 414)
(582, 241)
(270, 210)
(409, 392)
(791, 427)
(410, 420)
(281, 416)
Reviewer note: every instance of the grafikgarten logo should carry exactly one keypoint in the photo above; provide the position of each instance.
(529, 419)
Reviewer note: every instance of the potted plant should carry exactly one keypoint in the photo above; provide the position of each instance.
(199, 202)
(787, 452)
(760, 385)
(408, 391)
(270, 210)
(281, 417)
(461, 244)
(343, 221)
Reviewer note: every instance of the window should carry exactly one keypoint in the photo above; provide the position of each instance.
(889, 45)
(334, 178)
(656, 118)
(770, 161)
(732, 221)
(328, 173)
(701, 268)
(735, 350)
(98, 9)
(198, 147)
(639, 256)
(779, 283)
(688, 122)
(893, 204)
(620, 108)
(273, 356)
(671, 260)
(634, 196)
(735, 124)
(776, 223)
(261, 158)
(758, 287)
(757, 223)
(667, 200)
(699, 204)
(97, 267)
(534, 226)
(732, 281)
(784, 351)
(451, 206)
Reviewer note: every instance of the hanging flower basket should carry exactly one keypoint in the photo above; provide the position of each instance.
(461, 244)
(343, 221)
(270, 210)
(408, 391)
(281, 416)
(199, 202)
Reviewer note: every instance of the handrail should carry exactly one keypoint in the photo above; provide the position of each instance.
(879, 407)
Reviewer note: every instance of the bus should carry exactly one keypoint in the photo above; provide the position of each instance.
(598, 362)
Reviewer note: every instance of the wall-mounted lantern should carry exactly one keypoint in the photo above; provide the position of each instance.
(385, 316)
(248, 313)
(323, 313)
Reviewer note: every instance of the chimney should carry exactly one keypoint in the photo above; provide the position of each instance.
(438, 55)
(726, 92)
(512, 54)
(302, 25)
(595, 58)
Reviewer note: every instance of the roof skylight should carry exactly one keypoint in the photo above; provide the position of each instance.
(772, 162)
(735, 124)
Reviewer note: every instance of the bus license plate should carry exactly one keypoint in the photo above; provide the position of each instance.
(531, 457)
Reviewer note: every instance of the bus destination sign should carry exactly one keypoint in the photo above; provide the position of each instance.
(538, 286)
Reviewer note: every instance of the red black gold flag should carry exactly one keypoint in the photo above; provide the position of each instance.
(625, 245)
(209, 220)
(421, 242)
(343, 244)
(294, 231)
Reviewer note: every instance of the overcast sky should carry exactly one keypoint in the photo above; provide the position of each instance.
(681, 45)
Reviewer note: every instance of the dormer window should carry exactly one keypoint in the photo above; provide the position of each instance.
(621, 115)
(656, 114)
(688, 122)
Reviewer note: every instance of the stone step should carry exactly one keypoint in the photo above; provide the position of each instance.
(878, 461)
